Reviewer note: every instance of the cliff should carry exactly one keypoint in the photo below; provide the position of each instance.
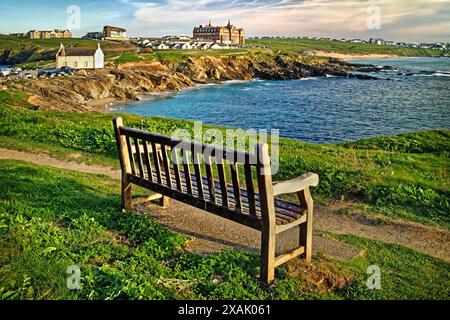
(83, 91)
(26, 54)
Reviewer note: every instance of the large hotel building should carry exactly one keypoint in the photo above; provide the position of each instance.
(226, 35)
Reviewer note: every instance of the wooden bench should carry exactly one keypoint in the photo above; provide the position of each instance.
(152, 161)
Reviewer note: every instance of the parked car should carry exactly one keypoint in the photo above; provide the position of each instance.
(27, 76)
(67, 70)
(50, 72)
(55, 72)
(5, 72)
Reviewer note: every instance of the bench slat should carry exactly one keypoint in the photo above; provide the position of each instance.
(139, 157)
(166, 166)
(176, 169)
(131, 156)
(250, 188)
(187, 173)
(148, 163)
(223, 182)
(198, 174)
(157, 163)
(210, 177)
(236, 187)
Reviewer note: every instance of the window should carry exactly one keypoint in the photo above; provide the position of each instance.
(75, 64)
(85, 64)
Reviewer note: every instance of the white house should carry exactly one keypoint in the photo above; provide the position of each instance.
(216, 46)
(80, 58)
(161, 46)
(186, 46)
(205, 46)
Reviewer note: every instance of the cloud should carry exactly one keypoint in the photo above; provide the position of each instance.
(337, 18)
(409, 20)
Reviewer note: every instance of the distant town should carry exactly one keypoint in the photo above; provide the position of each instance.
(375, 41)
(206, 37)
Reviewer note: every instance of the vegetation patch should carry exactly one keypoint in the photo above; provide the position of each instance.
(51, 219)
(302, 45)
(400, 183)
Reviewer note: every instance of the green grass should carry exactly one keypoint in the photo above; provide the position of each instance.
(7, 42)
(36, 64)
(405, 273)
(51, 219)
(29, 53)
(397, 178)
(13, 98)
(174, 56)
(301, 45)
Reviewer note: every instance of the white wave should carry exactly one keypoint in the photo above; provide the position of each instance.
(435, 74)
(308, 78)
(441, 74)
(235, 81)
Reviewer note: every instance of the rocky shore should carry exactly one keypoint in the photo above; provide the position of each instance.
(91, 90)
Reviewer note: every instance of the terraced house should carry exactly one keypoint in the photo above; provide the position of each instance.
(54, 34)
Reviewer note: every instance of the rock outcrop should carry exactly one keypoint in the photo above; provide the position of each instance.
(84, 90)
(80, 91)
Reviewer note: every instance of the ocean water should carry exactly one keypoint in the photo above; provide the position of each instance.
(414, 95)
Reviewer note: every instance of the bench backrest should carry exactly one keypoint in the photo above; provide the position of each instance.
(171, 166)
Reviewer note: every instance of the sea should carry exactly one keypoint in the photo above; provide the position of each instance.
(413, 95)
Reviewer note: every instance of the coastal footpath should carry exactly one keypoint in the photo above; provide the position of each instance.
(90, 90)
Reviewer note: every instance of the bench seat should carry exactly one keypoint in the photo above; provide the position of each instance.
(285, 212)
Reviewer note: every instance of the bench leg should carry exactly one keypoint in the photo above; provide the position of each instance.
(165, 202)
(267, 275)
(306, 229)
(126, 195)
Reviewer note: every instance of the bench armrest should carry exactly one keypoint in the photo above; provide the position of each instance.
(295, 185)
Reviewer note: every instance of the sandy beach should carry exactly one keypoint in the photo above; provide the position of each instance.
(346, 56)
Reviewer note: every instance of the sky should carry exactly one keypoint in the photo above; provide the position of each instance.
(399, 20)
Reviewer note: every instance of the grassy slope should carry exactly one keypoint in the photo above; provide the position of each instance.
(300, 45)
(122, 53)
(7, 42)
(173, 56)
(40, 52)
(51, 219)
(404, 176)
(269, 46)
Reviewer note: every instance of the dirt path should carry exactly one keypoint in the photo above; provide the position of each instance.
(211, 233)
(46, 160)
